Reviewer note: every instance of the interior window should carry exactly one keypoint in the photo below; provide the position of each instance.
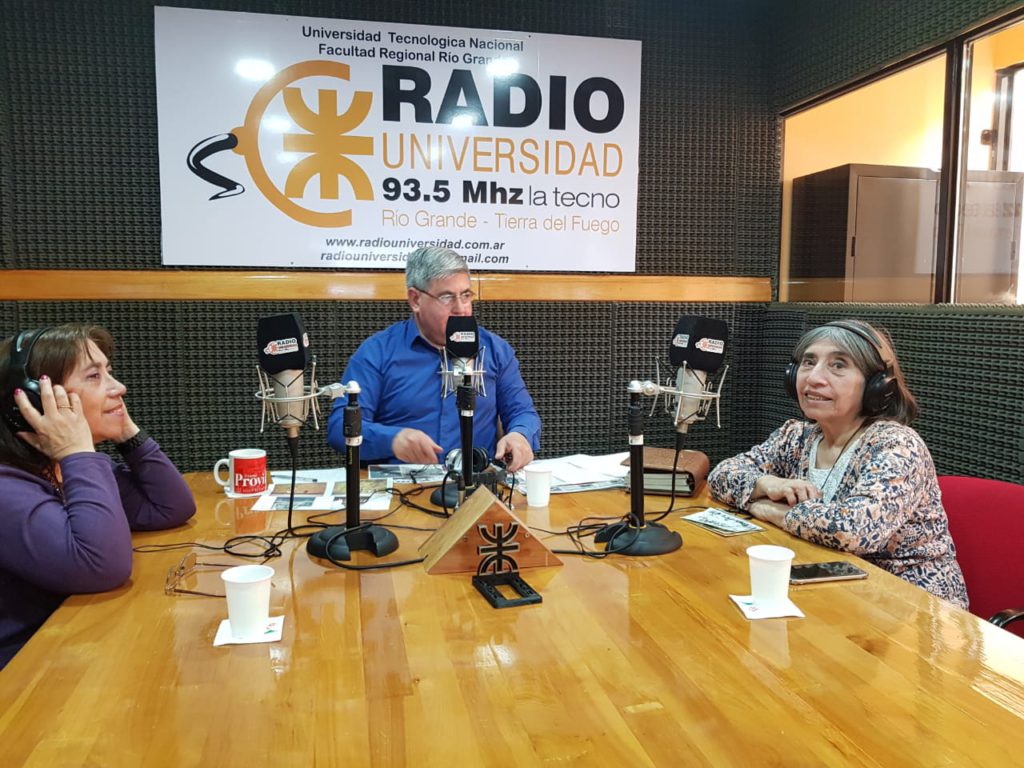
(987, 262)
(860, 192)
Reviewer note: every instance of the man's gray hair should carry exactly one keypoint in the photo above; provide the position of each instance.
(426, 264)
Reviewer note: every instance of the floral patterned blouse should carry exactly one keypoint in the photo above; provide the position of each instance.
(887, 508)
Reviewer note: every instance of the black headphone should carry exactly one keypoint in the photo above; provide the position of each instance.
(878, 390)
(21, 353)
(453, 461)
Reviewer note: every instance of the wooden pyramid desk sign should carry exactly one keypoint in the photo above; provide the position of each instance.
(485, 537)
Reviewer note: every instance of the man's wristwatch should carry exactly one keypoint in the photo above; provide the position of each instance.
(132, 443)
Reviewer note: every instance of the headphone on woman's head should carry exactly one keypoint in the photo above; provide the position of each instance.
(878, 390)
(21, 353)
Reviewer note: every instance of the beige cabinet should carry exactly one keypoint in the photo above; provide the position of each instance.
(866, 233)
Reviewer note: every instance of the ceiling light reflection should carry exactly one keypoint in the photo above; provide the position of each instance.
(259, 70)
(503, 67)
(277, 124)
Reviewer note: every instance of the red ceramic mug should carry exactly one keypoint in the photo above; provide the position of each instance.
(247, 472)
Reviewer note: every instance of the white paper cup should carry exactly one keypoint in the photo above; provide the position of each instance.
(769, 573)
(248, 591)
(538, 487)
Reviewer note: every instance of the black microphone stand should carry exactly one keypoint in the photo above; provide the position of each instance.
(452, 496)
(635, 536)
(465, 399)
(353, 534)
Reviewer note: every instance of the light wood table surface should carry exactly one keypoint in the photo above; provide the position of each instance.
(627, 662)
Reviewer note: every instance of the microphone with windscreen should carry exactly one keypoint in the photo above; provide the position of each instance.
(462, 359)
(283, 349)
(697, 350)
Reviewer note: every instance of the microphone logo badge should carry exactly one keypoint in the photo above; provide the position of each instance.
(284, 346)
(463, 337)
(681, 340)
(714, 346)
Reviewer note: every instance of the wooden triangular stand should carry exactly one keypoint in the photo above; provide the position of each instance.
(484, 536)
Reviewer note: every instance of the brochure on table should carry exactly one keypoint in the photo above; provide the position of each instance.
(322, 490)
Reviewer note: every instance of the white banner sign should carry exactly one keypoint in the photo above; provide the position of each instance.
(308, 143)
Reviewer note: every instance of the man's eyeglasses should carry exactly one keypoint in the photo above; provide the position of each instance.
(188, 565)
(448, 299)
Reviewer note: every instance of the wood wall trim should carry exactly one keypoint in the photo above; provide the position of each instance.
(660, 288)
(172, 285)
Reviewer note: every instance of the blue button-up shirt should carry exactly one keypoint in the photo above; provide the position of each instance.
(398, 373)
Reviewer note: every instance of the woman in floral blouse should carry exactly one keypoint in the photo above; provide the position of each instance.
(854, 476)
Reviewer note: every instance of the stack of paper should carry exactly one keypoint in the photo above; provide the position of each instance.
(579, 472)
(423, 474)
(322, 490)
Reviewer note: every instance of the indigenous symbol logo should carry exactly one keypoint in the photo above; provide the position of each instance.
(496, 554)
(324, 149)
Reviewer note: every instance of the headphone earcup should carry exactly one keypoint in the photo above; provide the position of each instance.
(789, 379)
(21, 353)
(453, 460)
(877, 392)
(480, 461)
(13, 415)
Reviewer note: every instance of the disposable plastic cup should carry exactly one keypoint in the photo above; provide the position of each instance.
(248, 591)
(769, 573)
(538, 487)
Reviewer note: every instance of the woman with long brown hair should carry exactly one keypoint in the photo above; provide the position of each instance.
(66, 511)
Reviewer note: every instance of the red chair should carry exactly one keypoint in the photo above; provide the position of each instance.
(986, 521)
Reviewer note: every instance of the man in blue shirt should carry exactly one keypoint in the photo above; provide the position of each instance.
(405, 418)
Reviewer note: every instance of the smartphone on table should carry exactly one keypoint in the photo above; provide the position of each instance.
(812, 573)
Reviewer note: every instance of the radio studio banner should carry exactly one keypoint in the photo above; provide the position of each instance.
(304, 142)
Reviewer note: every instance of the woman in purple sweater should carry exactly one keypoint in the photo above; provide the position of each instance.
(66, 511)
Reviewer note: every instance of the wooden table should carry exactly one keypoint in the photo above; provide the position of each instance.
(632, 662)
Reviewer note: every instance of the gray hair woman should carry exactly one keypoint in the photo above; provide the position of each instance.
(854, 476)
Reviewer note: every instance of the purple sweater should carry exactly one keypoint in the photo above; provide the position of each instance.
(51, 548)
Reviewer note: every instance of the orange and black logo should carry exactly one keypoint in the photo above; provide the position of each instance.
(326, 146)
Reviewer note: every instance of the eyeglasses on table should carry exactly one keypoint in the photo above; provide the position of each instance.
(189, 565)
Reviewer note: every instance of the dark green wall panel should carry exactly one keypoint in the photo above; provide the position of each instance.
(820, 44)
(79, 189)
(78, 161)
